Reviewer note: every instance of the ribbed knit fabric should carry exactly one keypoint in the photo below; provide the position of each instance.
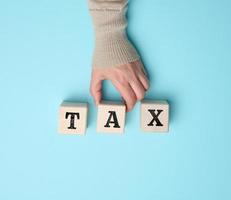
(112, 47)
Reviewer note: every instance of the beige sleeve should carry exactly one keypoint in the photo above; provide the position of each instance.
(112, 47)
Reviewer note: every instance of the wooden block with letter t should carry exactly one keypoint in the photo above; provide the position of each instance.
(111, 117)
(73, 118)
(154, 116)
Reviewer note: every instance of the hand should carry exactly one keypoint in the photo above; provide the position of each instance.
(130, 80)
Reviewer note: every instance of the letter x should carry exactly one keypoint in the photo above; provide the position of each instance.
(155, 117)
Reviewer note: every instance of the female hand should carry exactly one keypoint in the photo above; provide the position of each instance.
(130, 80)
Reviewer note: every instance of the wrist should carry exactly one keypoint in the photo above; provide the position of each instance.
(112, 47)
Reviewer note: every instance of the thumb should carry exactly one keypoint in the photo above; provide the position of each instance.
(96, 88)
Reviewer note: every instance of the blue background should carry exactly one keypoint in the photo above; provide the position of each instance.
(45, 58)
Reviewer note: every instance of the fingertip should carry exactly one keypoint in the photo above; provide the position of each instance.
(97, 102)
(145, 82)
(130, 105)
(141, 95)
(147, 86)
(129, 108)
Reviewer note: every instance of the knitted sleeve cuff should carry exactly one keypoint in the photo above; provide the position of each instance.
(112, 47)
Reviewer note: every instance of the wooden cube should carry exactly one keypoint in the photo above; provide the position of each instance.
(111, 117)
(154, 116)
(73, 118)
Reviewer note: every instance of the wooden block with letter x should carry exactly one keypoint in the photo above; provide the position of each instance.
(73, 118)
(154, 116)
(111, 117)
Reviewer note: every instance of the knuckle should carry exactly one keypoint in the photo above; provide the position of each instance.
(130, 66)
(122, 80)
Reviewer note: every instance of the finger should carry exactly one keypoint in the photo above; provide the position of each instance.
(138, 88)
(144, 80)
(127, 93)
(142, 75)
(143, 68)
(96, 89)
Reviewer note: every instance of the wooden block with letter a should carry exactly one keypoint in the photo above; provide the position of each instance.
(111, 117)
(154, 116)
(73, 118)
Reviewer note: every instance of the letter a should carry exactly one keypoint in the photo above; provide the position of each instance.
(112, 120)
